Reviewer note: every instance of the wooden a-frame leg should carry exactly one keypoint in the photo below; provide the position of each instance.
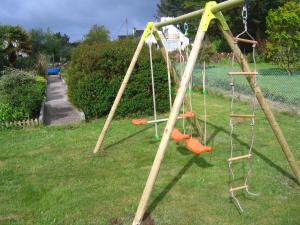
(169, 127)
(264, 105)
(119, 95)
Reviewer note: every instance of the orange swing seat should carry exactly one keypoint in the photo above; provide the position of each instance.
(187, 115)
(196, 147)
(177, 136)
(139, 122)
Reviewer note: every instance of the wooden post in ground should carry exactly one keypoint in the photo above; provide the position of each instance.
(264, 105)
(169, 127)
(175, 76)
(119, 95)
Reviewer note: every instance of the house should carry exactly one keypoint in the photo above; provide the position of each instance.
(137, 34)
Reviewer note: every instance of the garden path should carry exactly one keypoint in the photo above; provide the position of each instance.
(58, 110)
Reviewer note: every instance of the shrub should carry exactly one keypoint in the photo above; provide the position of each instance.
(207, 52)
(41, 65)
(25, 63)
(22, 92)
(10, 114)
(283, 31)
(3, 62)
(96, 72)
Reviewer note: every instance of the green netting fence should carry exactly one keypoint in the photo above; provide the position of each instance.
(277, 85)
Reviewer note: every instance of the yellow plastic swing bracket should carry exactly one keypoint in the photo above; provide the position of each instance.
(208, 16)
(150, 29)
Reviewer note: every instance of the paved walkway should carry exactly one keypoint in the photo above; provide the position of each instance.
(58, 110)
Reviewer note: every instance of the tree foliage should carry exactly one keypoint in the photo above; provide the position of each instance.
(97, 34)
(96, 72)
(258, 10)
(56, 45)
(284, 35)
(22, 91)
(14, 40)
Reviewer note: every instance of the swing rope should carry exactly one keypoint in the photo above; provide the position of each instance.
(169, 80)
(204, 102)
(153, 87)
(169, 72)
(182, 64)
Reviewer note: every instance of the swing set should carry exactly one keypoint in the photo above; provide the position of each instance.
(212, 11)
(192, 144)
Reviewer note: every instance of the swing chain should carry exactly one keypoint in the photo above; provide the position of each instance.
(245, 17)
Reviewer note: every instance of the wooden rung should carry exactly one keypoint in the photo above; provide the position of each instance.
(238, 188)
(243, 115)
(242, 73)
(247, 41)
(239, 158)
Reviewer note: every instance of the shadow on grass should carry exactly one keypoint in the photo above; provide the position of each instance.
(204, 164)
(125, 139)
(262, 156)
(200, 162)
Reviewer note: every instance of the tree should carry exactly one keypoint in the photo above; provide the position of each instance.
(284, 35)
(97, 34)
(258, 10)
(14, 40)
(56, 45)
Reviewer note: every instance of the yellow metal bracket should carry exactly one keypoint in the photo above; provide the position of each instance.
(208, 16)
(150, 29)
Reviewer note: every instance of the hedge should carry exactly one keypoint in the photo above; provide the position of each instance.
(96, 72)
(22, 93)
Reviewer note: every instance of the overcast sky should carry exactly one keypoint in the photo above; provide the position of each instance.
(75, 17)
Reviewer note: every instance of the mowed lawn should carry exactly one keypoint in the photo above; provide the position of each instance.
(48, 175)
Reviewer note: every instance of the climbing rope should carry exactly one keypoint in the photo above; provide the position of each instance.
(232, 122)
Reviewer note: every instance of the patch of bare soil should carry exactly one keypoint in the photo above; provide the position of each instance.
(146, 221)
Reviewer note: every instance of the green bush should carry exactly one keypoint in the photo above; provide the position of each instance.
(22, 92)
(96, 72)
(41, 83)
(25, 63)
(41, 65)
(3, 62)
(207, 52)
(10, 114)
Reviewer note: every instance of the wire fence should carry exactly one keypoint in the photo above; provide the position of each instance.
(277, 85)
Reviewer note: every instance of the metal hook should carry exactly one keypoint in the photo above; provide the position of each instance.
(186, 28)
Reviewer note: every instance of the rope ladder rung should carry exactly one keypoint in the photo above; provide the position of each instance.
(242, 115)
(238, 188)
(248, 156)
(240, 73)
(246, 41)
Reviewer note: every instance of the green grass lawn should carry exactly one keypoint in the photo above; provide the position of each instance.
(48, 175)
